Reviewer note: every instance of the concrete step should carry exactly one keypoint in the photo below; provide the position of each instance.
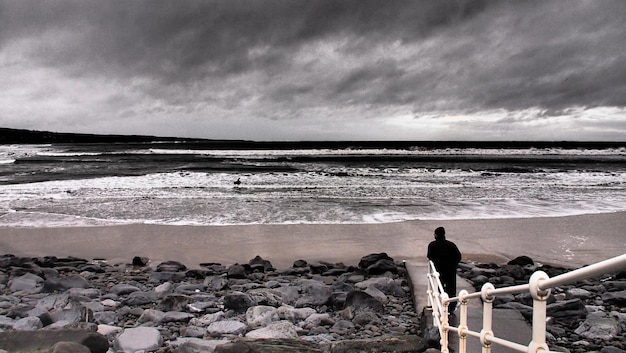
(507, 324)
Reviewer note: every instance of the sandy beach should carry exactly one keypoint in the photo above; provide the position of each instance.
(572, 241)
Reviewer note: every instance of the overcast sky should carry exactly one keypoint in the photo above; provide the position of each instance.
(316, 70)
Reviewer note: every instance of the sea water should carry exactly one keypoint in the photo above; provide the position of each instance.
(188, 184)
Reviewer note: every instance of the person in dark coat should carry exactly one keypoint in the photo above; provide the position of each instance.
(446, 257)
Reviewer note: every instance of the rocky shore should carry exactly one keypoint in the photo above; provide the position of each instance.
(48, 304)
(588, 316)
(51, 304)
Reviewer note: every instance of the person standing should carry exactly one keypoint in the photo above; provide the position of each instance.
(446, 257)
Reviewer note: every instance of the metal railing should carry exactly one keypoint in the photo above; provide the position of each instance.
(539, 287)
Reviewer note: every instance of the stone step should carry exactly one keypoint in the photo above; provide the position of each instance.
(507, 324)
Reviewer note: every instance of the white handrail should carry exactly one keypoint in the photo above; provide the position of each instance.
(539, 287)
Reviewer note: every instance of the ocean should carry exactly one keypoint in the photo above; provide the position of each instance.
(193, 183)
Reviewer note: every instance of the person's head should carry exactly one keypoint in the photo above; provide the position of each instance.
(440, 233)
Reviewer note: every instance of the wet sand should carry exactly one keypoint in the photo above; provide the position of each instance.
(572, 241)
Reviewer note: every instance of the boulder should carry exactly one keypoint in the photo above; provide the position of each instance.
(170, 266)
(238, 301)
(227, 327)
(44, 340)
(138, 339)
(281, 329)
(599, 328)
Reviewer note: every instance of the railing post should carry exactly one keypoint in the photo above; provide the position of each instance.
(540, 300)
(486, 332)
(463, 321)
(445, 326)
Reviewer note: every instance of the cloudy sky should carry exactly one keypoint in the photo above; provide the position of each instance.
(316, 69)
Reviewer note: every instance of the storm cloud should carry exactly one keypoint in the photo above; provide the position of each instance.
(303, 69)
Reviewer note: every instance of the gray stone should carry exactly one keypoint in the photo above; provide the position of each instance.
(44, 340)
(267, 296)
(105, 317)
(261, 315)
(25, 283)
(139, 298)
(160, 277)
(123, 289)
(194, 331)
(70, 347)
(196, 345)
(175, 302)
(238, 301)
(176, 316)
(615, 298)
(151, 315)
(400, 344)
(281, 329)
(599, 328)
(206, 320)
(315, 293)
(294, 315)
(268, 346)
(170, 266)
(138, 339)
(227, 327)
(163, 289)
(28, 324)
(359, 301)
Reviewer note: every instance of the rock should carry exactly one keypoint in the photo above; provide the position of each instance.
(615, 298)
(567, 308)
(579, 293)
(261, 315)
(163, 289)
(315, 293)
(238, 301)
(176, 316)
(384, 284)
(402, 344)
(267, 296)
(44, 340)
(151, 315)
(139, 298)
(175, 302)
(140, 261)
(215, 283)
(300, 264)
(281, 329)
(170, 266)
(70, 347)
(163, 276)
(227, 327)
(294, 315)
(123, 289)
(599, 328)
(237, 271)
(138, 339)
(371, 259)
(28, 324)
(521, 261)
(206, 320)
(268, 346)
(196, 345)
(382, 266)
(25, 283)
(258, 264)
(359, 301)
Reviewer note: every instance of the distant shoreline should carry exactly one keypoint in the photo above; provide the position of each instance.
(22, 136)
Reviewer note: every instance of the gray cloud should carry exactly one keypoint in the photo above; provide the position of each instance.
(286, 60)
